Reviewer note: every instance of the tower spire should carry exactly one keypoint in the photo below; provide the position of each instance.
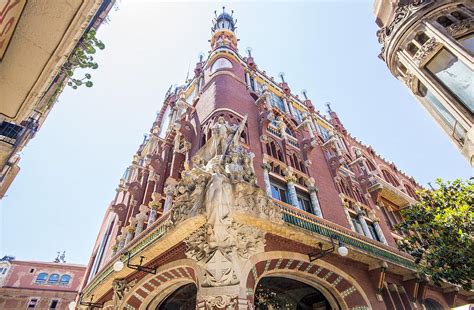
(223, 30)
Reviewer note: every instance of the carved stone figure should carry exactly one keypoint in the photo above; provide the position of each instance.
(222, 182)
(121, 287)
(219, 131)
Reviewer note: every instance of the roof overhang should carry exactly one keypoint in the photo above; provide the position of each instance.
(39, 40)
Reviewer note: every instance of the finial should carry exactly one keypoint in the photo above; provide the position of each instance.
(249, 51)
(303, 92)
(201, 56)
(223, 9)
(282, 76)
(328, 104)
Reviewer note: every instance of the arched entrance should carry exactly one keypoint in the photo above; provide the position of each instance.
(274, 292)
(184, 298)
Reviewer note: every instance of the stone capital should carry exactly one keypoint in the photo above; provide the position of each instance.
(266, 166)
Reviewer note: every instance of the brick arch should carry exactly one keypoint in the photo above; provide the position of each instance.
(146, 290)
(321, 274)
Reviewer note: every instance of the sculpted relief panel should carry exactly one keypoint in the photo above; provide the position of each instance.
(222, 182)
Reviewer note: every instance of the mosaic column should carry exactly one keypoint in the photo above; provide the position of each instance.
(313, 195)
(266, 178)
(363, 223)
(378, 229)
(154, 205)
(141, 217)
(130, 234)
(152, 215)
(290, 182)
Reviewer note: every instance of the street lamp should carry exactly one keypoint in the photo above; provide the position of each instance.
(341, 249)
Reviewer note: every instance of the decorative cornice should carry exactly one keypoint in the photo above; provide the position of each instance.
(422, 55)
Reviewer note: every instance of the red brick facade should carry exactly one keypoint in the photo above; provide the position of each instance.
(38, 285)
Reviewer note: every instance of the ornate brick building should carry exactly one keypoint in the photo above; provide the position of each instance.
(429, 46)
(245, 196)
(38, 285)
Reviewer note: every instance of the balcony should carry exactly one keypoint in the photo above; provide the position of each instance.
(9, 132)
(326, 229)
(390, 192)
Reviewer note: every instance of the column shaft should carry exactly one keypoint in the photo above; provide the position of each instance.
(315, 203)
(292, 194)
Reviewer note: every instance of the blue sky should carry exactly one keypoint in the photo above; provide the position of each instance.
(69, 172)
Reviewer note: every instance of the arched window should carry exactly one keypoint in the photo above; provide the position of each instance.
(459, 15)
(412, 49)
(421, 37)
(345, 189)
(444, 21)
(41, 278)
(53, 279)
(410, 191)
(274, 150)
(371, 165)
(390, 178)
(359, 196)
(221, 63)
(65, 279)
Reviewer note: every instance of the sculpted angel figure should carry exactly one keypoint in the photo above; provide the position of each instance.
(220, 130)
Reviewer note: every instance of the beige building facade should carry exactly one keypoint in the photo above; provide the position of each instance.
(36, 40)
(429, 46)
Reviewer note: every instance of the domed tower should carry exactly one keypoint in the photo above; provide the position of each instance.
(428, 45)
(223, 30)
(244, 196)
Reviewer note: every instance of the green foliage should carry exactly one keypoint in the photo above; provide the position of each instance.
(82, 58)
(440, 232)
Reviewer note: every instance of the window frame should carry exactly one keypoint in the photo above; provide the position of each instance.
(46, 277)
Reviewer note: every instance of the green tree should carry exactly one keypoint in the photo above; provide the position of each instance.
(82, 58)
(439, 232)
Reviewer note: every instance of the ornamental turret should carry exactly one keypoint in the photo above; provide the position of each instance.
(223, 30)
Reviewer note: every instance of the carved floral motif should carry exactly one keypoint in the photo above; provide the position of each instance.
(427, 49)
(220, 301)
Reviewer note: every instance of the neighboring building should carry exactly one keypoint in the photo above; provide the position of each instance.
(243, 194)
(38, 285)
(36, 40)
(429, 46)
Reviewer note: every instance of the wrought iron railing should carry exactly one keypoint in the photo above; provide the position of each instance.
(310, 222)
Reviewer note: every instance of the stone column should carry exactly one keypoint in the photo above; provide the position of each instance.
(266, 178)
(363, 223)
(313, 195)
(290, 107)
(247, 80)
(378, 229)
(285, 103)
